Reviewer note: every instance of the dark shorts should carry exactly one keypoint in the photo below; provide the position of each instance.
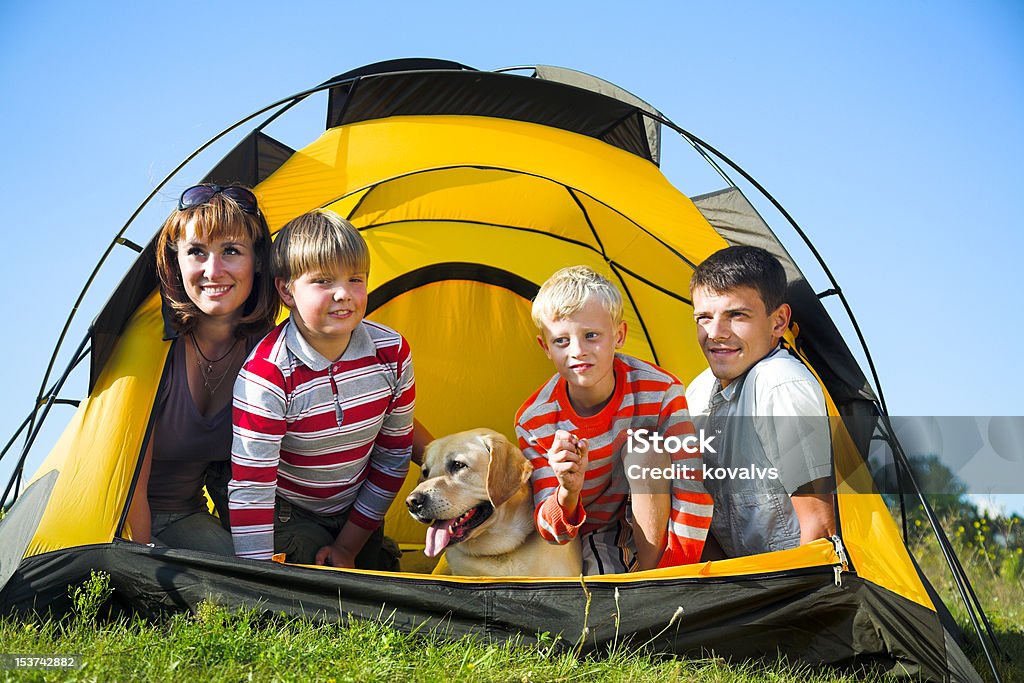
(299, 534)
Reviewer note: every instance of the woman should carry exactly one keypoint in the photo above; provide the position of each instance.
(213, 259)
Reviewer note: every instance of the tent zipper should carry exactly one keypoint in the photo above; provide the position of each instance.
(844, 563)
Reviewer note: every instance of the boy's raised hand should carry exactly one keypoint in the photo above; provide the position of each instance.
(568, 459)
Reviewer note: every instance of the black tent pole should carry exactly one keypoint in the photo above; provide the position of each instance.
(117, 239)
(959, 568)
(6, 448)
(50, 400)
(963, 584)
(291, 101)
(903, 508)
(698, 144)
(960, 578)
(19, 467)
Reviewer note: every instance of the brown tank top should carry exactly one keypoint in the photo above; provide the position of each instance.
(184, 441)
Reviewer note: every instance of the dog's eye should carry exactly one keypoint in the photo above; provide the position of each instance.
(455, 465)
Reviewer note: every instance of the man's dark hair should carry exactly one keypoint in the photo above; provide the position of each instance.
(734, 267)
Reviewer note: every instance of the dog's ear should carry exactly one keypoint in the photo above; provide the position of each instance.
(507, 469)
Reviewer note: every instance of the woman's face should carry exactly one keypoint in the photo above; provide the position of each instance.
(217, 273)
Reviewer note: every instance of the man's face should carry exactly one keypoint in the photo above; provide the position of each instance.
(735, 330)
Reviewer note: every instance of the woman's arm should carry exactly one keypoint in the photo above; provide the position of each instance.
(139, 519)
(420, 438)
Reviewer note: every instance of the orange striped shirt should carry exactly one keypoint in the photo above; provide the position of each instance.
(645, 397)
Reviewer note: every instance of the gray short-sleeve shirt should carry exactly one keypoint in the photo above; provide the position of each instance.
(772, 437)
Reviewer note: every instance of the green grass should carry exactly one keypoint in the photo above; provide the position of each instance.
(991, 555)
(216, 645)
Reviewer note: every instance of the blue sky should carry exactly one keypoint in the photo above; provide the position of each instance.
(891, 133)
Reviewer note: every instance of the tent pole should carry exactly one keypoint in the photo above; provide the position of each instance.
(698, 143)
(903, 507)
(51, 398)
(10, 443)
(711, 161)
(974, 596)
(16, 434)
(960, 578)
(285, 104)
(963, 585)
(28, 424)
(289, 101)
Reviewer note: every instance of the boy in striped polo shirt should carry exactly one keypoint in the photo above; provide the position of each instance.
(323, 409)
(575, 429)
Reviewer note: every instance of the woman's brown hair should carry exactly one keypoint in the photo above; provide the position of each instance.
(219, 218)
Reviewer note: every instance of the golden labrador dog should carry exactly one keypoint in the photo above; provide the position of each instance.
(475, 494)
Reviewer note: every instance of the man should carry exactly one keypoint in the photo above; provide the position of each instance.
(771, 473)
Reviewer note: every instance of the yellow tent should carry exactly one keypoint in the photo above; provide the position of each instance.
(471, 188)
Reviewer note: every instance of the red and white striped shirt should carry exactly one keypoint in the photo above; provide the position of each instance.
(327, 436)
(646, 397)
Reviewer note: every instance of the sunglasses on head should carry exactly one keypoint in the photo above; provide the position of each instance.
(201, 194)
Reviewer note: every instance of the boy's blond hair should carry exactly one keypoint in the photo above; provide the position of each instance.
(566, 292)
(317, 242)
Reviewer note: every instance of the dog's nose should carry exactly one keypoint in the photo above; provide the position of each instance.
(415, 502)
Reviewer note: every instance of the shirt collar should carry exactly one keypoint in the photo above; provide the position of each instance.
(359, 346)
(730, 392)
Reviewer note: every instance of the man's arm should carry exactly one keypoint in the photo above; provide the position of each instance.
(814, 506)
(800, 432)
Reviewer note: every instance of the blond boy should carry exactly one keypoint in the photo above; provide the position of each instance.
(323, 409)
(575, 431)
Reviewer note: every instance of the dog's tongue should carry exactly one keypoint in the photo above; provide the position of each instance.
(438, 536)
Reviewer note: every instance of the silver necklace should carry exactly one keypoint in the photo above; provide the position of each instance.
(211, 382)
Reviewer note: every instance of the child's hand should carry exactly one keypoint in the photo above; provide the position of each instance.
(568, 459)
(335, 556)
